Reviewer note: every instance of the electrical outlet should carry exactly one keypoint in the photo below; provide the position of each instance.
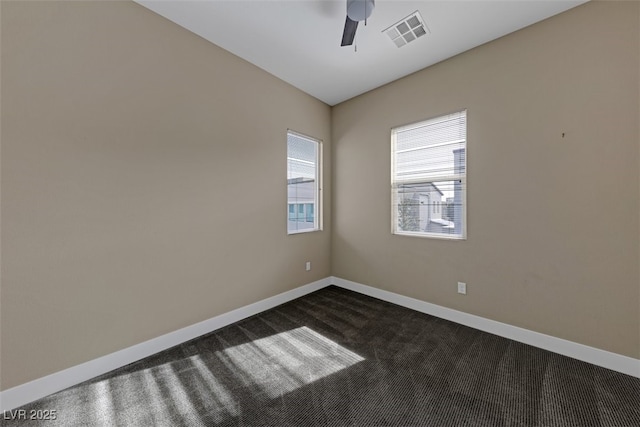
(308, 266)
(462, 288)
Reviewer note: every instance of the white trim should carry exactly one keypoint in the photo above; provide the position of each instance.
(41, 387)
(616, 362)
(427, 235)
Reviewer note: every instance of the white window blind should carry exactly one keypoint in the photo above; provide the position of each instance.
(428, 177)
(304, 156)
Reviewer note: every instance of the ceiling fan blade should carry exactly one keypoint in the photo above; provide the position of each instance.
(349, 33)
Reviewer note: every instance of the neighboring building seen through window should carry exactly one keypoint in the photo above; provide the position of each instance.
(303, 183)
(428, 177)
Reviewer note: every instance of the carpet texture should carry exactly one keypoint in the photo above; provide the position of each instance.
(339, 358)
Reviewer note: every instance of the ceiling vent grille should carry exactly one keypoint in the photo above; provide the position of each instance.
(407, 29)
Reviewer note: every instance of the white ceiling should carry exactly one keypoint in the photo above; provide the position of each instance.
(299, 40)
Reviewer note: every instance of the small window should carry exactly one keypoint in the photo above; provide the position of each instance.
(429, 169)
(304, 156)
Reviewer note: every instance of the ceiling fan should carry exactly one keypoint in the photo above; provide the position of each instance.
(357, 10)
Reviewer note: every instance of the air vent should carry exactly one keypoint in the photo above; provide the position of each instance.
(407, 29)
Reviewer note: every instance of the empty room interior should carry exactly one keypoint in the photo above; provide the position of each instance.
(287, 213)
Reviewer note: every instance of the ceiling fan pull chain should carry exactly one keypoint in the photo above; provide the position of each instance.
(365, 14)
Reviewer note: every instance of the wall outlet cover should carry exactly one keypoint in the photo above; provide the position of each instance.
(462, 288)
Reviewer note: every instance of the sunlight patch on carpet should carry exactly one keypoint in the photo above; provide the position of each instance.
(281, 363)
(224, 403)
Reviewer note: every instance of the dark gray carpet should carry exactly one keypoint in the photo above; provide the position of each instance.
(338, 358)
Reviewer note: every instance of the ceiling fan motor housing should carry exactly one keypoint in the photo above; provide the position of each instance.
(359, 10)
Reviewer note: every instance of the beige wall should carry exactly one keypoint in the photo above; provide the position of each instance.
(126, 144)
(553, 233)
(143, 183)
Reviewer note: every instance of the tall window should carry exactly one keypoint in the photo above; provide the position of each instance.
(304, 156)
(428, 168)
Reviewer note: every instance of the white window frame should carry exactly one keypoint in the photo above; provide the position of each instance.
(434, 179)
(317, 202)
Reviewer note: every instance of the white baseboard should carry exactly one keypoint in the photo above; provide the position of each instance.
(41, 387)
(616, 362)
